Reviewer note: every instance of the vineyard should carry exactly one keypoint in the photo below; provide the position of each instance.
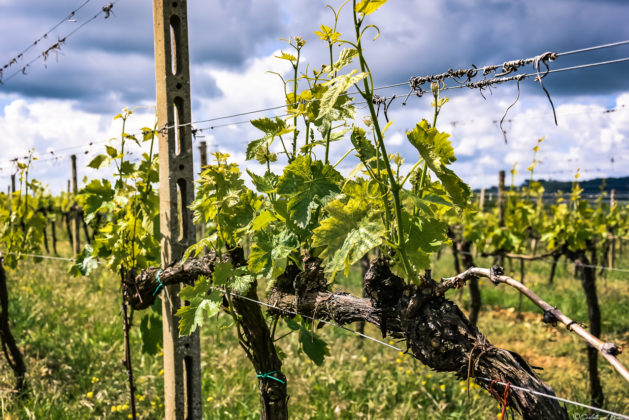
(316, 274)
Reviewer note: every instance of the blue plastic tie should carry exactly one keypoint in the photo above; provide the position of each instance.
(160, 285)
(269, 375)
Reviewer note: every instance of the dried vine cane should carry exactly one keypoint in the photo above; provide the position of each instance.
(127, 361)
(127, 349)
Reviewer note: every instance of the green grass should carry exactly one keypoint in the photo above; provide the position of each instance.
(70, 331)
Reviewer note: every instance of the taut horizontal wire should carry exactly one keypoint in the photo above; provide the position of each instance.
(368, 337)
(319, 320)
(596, 47)
(603, 111)
(623, 270)
(44, 36)
(600, 410)
(55, 47)
(46, 257)
(525, 75)
(87, 149)
(583, 66)
(564, 400)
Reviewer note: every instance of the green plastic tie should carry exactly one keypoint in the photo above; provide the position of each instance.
(160, 285)
(269, 375)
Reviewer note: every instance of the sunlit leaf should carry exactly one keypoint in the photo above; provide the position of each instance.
(367, 7)
(436, 150)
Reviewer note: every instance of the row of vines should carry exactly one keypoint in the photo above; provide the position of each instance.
(288, 236)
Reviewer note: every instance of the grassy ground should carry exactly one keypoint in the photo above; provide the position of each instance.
(70, 331)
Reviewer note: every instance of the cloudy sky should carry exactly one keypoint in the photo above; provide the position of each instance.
(67, 101)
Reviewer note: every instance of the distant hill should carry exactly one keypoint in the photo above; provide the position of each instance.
(590, 187)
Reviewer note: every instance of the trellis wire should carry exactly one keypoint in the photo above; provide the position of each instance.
(406, 351)
(47, 257)
(596, 47)
(595, 64)
(57, 46)
(319, 320)
(406, 83)
(541, 394)
(603, 111)
(20, 55)
(87, 150)
(622, 270)
(368, 337)
(202, 129)
(106, 9)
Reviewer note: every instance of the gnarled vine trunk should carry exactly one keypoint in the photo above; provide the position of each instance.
(436, 331)
(256, 339)
(9, 346)
(553, 268)
(587, 271)
(260, 350)
(465, 249)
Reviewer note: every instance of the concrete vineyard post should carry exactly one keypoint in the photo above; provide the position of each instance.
(182, 355)
(481, 201)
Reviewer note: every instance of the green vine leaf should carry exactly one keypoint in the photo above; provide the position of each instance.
(314, 347)
(198, 289)
(97, 196)
(436, 150)
(241, 282)
(345, 57)
(193, 315)
(265, 184)
(367, 7)
(259, 149)
(85, 262)
(352, 229)
(111, 151)
(305, 181)
(269, 252)
(286, 56)
(327, 34)
(365, 150)
(426, 236)
(336, 87)
(151, 329)
(98, 161)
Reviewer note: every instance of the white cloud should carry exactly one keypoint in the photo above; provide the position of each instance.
(55, 126)
(587, 136)
(396, 139)
(253, 87)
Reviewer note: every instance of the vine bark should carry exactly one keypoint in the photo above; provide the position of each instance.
(436, 331)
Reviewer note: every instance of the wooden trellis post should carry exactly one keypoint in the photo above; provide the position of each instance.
(203, 154)
(182, 355)
(203, 161)
(76, 230)
(502, 202)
